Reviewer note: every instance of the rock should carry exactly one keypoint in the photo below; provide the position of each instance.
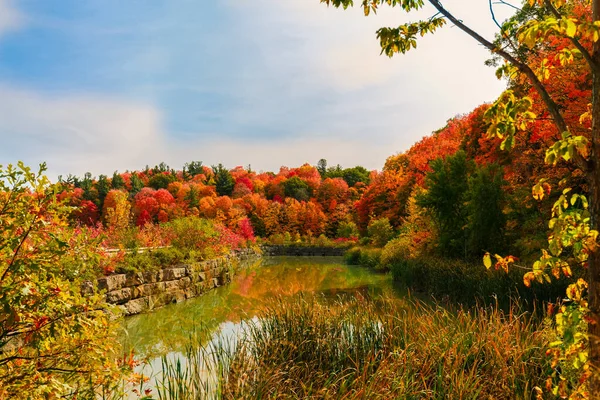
(198, 277)
(112, 282)
(87, 288)
(171, 285)
(136, 306)
(149, 289)
(119, 296)
(171, 274)
(134, 279)
(185, 282)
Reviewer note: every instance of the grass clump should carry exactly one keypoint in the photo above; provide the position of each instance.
(382, 349)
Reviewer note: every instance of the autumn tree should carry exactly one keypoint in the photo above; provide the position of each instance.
(55, 342)
(538, 22)
(116, 210)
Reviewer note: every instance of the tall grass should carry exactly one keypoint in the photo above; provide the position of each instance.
(366, 349)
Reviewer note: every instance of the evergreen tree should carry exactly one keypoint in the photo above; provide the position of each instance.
(224, 182)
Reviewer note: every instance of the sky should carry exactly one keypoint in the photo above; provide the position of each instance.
(105, 85)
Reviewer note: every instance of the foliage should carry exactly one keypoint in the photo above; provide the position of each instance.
(446, 197)
(394, 252)
(224, 182)
(468, 283)
(56, 342)
(486, 218)
(347, 230)
(380, 231)
(296, 188)
(370, 258)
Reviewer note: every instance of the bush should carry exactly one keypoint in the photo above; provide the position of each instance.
(192, 233)
(55, 342)
(395, 251)
(352, 255)
(380, 231)
(370, 257)
(347, 229)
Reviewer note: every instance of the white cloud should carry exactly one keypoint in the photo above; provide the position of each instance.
(10, 17)
(313, 73)
(77, 133)
(317, 50)
(80, 133)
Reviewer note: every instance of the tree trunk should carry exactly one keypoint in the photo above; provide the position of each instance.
(594, 198)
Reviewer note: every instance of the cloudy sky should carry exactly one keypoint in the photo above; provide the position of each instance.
(104, 85)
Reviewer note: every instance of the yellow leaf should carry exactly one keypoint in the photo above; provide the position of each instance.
(487, 260)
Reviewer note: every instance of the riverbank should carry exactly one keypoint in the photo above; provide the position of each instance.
(138, 292)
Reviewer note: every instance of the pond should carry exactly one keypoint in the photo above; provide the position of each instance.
(168, 329)
(219, 314)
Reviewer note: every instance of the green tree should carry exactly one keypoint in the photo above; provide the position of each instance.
(335, 172)
(486, 219)
(297, 189)
(136, 184)
(193, 168)
(354, 175)
(446, 199)
(102, 188)
(161, 180)
(380, 231)
(192, 198)
(537, 24)
(55, 342)
(322, 168)
(117, 181)
(224, 182)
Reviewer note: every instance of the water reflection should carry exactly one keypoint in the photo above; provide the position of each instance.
(168, 330)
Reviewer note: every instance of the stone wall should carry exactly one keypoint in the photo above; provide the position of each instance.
(286, 250)
(138, 292)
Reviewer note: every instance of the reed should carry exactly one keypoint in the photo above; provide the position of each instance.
(362, 348)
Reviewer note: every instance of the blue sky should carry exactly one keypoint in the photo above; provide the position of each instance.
(104, 85)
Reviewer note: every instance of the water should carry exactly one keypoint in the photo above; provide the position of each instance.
(168, 329)
(217, 315)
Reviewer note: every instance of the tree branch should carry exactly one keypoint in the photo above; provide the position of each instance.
(553, 109)
(588, 57)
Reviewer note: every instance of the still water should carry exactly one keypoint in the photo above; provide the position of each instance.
(168, 329)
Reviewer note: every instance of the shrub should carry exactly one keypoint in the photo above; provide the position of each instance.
(352, 255)
(347, 229)
(192, 233)
(370, 257)
(55, 342)
(395, 251)
(380, 231)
